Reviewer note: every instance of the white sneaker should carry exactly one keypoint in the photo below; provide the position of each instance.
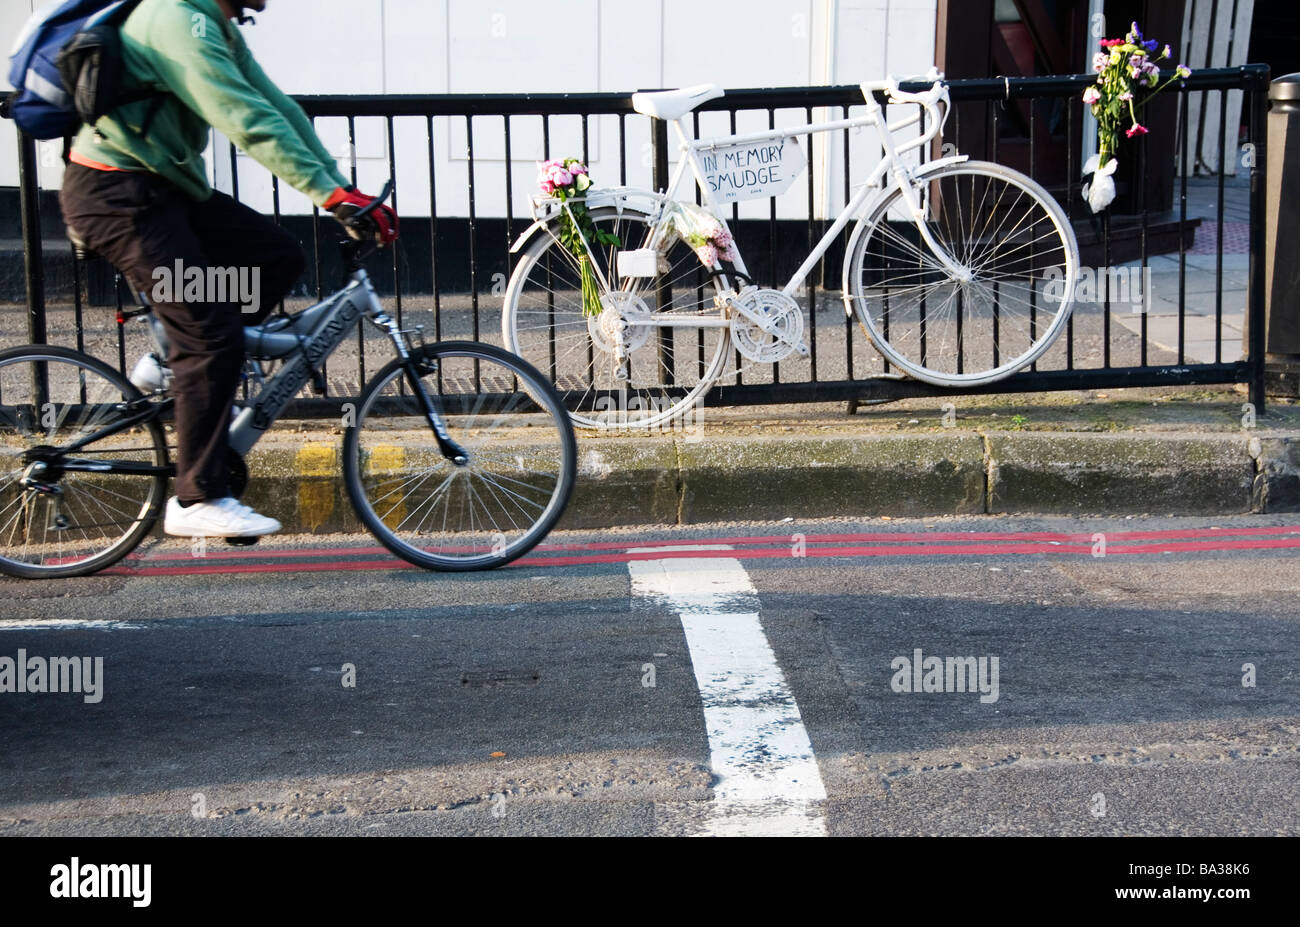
(219, 518)
(150, 374)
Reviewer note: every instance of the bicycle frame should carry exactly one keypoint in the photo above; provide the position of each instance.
(873, 187)
(346, 307)
(335, 323)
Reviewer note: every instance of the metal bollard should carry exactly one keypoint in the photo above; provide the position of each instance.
(1282, 230)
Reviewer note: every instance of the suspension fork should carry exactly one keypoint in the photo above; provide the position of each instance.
(449, 448)
(413, 369)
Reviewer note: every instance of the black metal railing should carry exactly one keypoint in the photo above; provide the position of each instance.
(453, 261)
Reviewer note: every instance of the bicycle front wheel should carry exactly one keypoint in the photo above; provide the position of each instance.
(492, 507)
(997, 297)
(676, 335)
(78, 490)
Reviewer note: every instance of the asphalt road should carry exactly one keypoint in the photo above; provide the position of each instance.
(722, 679)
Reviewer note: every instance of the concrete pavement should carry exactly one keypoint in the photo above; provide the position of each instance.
(1213, 323)
(1119, 452)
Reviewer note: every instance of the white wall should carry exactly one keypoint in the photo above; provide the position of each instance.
(508, 46)
(13, 13)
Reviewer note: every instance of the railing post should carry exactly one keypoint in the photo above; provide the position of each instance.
(1258, 85)
(33, 258)
(659, 151)
(663, 292)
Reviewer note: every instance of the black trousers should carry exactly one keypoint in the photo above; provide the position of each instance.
(144, 225)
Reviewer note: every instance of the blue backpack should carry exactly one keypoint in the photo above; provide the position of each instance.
(66, 64)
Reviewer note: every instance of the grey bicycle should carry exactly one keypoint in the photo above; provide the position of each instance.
(458, 455)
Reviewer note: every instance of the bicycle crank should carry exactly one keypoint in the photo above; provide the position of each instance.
(766, 325)
(611, 324)
(238, 483)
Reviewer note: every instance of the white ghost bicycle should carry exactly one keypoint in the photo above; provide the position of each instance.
(961, 272)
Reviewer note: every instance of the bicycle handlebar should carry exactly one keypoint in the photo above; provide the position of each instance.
(890, 86)
(929, 100)
(374, 204)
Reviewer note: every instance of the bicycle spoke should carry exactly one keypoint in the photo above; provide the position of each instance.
(1007, 234)
(63, 523)
(495, 505)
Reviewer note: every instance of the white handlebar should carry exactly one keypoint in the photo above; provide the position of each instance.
(929, 101)
(890, 86)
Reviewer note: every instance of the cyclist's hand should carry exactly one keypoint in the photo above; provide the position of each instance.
(381, 224)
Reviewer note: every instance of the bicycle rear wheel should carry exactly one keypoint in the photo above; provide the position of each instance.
(512, 488)
(669, 368)
(63, 510)
(1023, 261)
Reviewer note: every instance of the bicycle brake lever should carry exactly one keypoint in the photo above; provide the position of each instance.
(373, 204)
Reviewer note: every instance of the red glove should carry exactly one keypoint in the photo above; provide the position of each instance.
(381, 223)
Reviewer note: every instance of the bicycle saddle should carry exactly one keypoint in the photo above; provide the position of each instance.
(674, 104)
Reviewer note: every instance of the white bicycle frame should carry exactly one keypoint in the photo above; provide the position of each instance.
(897, 189)
(690, 150)
(903, 177)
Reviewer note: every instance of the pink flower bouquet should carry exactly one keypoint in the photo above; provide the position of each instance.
(567, 180)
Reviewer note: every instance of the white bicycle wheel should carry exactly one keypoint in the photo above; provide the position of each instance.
(1022, 258)
(669, 368)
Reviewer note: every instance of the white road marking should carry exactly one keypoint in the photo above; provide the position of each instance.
(768, 781)
(69, 624)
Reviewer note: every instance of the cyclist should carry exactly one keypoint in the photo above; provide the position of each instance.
(136, 192)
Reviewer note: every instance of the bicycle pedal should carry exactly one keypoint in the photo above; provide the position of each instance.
(242, 542)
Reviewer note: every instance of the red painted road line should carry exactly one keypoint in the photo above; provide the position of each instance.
(885, 537)
(783, 552)
(877, 537)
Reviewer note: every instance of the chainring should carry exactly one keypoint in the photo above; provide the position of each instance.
(758, 345)
(618, 306)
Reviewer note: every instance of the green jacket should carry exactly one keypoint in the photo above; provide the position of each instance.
(189, 49)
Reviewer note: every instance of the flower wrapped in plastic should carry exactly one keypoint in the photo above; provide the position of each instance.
(1123, 67)
(704, 232)
(568, 180)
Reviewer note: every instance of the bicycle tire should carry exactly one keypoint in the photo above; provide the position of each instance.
(521, 467)
(1021, 251)
(82, 522)
(669, 370)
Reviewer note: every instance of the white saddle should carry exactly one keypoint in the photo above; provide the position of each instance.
(674, 104)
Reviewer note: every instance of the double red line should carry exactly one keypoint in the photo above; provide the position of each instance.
(757, 547)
